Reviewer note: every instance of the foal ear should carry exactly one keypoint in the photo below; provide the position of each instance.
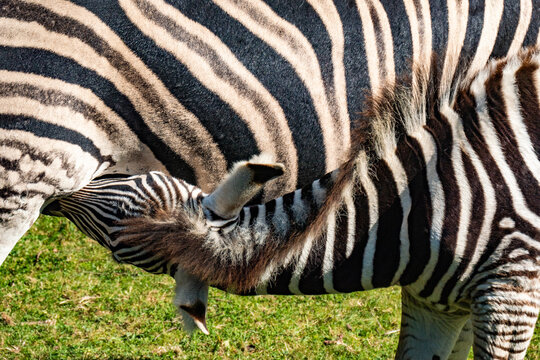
(263, 173)
(244, 182)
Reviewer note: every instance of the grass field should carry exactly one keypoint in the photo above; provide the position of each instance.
(62, 297)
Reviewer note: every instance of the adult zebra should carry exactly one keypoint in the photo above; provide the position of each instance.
(91, 88)
(398, 212)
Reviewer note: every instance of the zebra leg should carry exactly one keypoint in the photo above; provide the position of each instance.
(427, 333)
(32, 170)
(504, 318)
(16, 216)
(463, 343)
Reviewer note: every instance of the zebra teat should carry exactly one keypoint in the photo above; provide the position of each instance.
(244, 181)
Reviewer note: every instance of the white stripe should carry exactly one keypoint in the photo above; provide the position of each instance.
(128, 249)
(294, 285)
(490, 207)
(183, 192)
(490, 135)
(330, 17)
(465, 198)
(369, 251)
(402, 185)
(149, 189)
(426, 38)
(280, 219)
(247, 217)
(388, 44)
(58, 115)
(166, 199)
(493, 11)
(536, 75)
(319, 194)
(328, 261)
(351, 220)
(437, 197)
(66, 154)
(513, 110)
(410, 9)
(525, 14)
(370, 45)
(299, 208)
(88, 218)
(458, 13)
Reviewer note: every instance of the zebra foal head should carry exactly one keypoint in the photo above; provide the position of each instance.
(106, 207)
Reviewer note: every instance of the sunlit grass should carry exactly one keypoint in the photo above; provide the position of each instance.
(62, 297)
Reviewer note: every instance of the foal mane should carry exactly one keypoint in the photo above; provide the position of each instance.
(396, 109)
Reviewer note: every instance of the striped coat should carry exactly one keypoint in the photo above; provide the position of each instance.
(441, 198)
(92, 88)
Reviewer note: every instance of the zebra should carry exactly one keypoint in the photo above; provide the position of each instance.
(92, 89)
(101, 205)
(441, 199)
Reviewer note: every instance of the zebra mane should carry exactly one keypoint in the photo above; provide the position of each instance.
(390, 113)
(399, 109)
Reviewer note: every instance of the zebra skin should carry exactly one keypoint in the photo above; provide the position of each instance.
(441, 199)
(91, 89)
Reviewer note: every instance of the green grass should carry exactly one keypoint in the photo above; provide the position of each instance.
(62, 297)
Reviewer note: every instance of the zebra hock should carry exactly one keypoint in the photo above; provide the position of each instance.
(398, 212)
(99, 88)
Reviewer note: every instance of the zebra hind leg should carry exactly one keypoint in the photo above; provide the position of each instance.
(427, 333)
(16, 217)
(504, 318)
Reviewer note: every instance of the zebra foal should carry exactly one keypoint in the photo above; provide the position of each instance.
(441, 199)
(93, 89)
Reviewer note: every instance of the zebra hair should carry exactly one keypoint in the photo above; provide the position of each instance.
(189, 87)
(412, 224)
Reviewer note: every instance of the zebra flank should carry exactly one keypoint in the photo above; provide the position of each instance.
(440, 199)
(93, 92)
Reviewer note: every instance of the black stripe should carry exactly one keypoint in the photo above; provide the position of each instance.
(387, 251)
(441, 131)
(311, 280)
(401, 34)
(419, 223)
(51, 97)
(475, 23)
(340, 247)
(354, 58)
(280, 284)
(532, 34)
(476, 218)
(528, 100)
(507, 28)
(348, 275)
(50, 131)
